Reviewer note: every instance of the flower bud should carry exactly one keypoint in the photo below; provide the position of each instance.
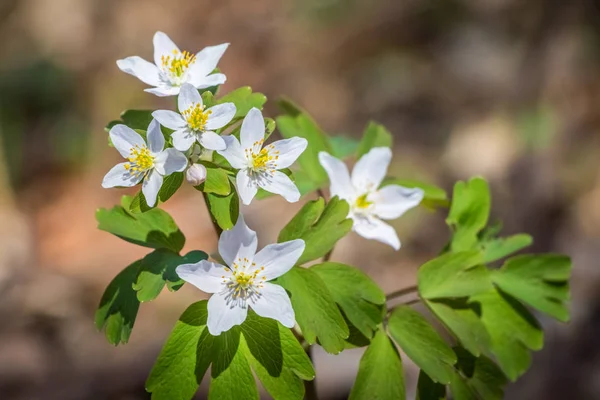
(195, 174)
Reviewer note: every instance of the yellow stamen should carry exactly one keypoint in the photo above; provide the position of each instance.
(178, 63)
(140, 159)
(362, 202)
(196, 117)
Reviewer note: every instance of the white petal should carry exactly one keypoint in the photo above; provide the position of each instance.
(253, 128)
(238, 236)
(289, 150)
(233, 153)
(188, 97)
(143, 70)
(280, 183)
(151, 186)
(223, 316)
(124, 139)
(163, 46)
(373, 228)
(212, 141)
(207, 81)
(339, 177)
(246, 186)
(119, 176)
(170, 119)
(183, 139)
(370, 170)
(275, 303)
(169, 161)
(156, 140)
(163, 91)
(220, 115)
(392, 201)
(279, 258)
(207, 60)
(205, 275)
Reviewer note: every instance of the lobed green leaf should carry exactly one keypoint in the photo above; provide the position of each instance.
(469, 212)
(375, 135)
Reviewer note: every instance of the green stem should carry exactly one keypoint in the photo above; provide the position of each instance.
(310, 387)
(218, 229)
(401, 292)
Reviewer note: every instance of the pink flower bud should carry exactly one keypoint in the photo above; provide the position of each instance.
(195, 174)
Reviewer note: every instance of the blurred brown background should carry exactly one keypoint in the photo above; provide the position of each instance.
(509, 89)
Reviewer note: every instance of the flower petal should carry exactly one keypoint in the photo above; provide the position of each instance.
(280, 183)
(120, 176)
(376, 229)
(156, 140)
(238, 236)
(222, 316)
(370, 170)
(163, 91)
(220, 115)
(278, 258)
(246, 186)
(392, 201)
(207, 81)
(289, 150)
(170, 119)
(212, 141)
(274, 303)
(205, 275)
(163, 46)
(169, 161)
(207, 60)
(188, 97)
(183, 139)
(151, 186)
(143, 70)
(253, 128)
(124, 139)
(339, 177)
(233, 153)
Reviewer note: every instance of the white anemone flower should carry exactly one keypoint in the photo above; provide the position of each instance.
(244, 282)
(173, 67)
(369, 204)
(147, 162)
(195, 123)
(258, 166)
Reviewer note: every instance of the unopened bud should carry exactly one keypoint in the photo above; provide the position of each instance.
(195, 174)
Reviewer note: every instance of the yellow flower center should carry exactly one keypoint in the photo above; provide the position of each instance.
(362, 202)
(140, 159)
(178, 63)
(263, 159)
(196, 117)
(243, 284)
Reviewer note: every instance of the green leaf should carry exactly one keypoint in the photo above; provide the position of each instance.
(422, 344)
(540, 280)
(154, 228)
(380, 374)
(276, 357)
(288, 107)
(512, 329)
(137, 119)
(454, 275)
(303, 126)
(224, 210)
(170, 185)
(157, 269)
(316, 311)
(480, 375)
(217, 180)
(434, 196)
(355, 292)
(244, 100)
(495, 249)
(343, 146)
(375, 135)
(469, 212)
(428, 389)
(319, 226)
(119, 306)
(462, 319)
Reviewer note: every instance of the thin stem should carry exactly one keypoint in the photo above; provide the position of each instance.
(310, 387)
(320, 193)
(327, 256)
(401, 292)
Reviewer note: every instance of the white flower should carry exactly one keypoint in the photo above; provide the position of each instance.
(145, 162)
(195, 123)
(172, 67)
(195, 174)
(258, 166)
(245, 281)
(368, 204)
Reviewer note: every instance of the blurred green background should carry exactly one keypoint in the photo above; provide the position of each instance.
(507, 89)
